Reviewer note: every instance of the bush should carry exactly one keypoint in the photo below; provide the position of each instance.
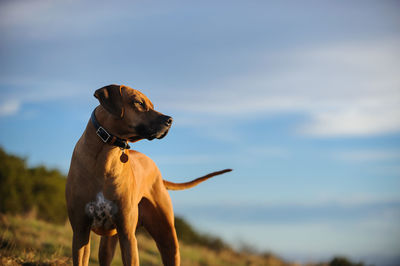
(188, 235)
(24, 189)
(341, 261)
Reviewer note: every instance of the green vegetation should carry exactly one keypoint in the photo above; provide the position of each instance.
(31, 190)
(34, 228)
(341, 261)
(188, 235)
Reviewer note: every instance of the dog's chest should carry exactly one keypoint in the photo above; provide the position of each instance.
(102, 212)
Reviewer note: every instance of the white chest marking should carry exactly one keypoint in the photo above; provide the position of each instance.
(101, 211)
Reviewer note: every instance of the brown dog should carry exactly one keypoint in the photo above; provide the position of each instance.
(110, 192)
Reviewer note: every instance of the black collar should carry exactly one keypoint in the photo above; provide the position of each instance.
(107, 137)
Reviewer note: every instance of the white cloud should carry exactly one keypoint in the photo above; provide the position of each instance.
(364, 96)
(22, 90)
(352, 122)
(9, 108)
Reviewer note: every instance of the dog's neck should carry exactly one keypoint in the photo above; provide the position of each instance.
(99, 155)
(106, 136)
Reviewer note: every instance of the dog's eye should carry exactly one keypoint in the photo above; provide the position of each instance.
(139, 103)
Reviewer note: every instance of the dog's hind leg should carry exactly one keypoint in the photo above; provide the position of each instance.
(107, 249)
(158, 218)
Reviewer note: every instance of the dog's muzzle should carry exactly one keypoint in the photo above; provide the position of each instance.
(166, 122)
(157, 130)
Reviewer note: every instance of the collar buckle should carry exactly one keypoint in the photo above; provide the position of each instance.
(103, 134)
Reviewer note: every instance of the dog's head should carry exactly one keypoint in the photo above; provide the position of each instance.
(132, 113)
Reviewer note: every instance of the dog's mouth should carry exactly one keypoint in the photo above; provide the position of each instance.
(163, 134)
(144, 133)
(158, 135)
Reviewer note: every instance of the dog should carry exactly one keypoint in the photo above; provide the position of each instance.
(111, 190)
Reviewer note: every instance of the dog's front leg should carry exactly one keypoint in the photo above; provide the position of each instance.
(107, 249)
(126, 228)
(81, 247)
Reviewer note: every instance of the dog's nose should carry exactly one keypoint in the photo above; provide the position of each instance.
(168, 120)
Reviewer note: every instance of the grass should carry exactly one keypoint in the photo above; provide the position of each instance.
(27, 241)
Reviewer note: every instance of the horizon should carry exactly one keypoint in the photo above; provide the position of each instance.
(302, 101)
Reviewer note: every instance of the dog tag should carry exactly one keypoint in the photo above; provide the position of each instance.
(124, 158)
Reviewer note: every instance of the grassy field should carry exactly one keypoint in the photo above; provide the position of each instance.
(27, 241)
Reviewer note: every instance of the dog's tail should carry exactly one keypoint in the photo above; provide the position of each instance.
(181, 186)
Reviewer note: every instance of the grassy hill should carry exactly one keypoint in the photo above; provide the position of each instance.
(28, 241)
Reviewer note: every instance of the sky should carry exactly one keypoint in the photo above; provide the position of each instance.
(301, 99)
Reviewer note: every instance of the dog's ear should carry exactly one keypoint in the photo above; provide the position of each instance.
(110, 97)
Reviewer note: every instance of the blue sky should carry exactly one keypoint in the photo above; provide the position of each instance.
(302, 100)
